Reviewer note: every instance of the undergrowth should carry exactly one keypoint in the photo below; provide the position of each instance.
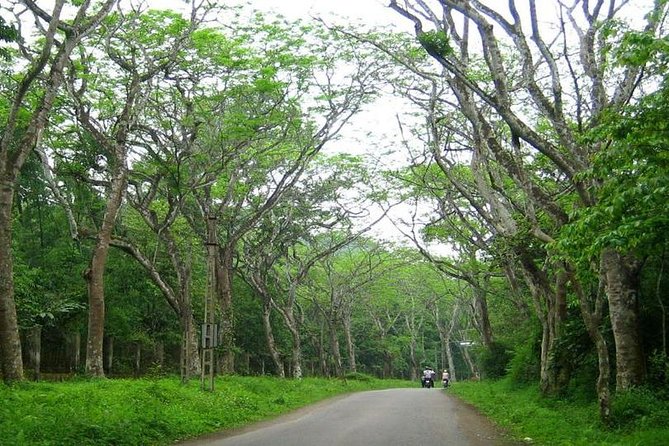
(638, 417)
(154, 411)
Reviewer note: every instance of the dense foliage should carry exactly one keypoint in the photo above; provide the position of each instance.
(639, 417)
(164, 174)
(162, 410)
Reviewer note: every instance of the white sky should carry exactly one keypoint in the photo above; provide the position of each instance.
(373, 12)
(370, 12)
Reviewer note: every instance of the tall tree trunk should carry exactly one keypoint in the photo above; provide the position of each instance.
(138, 358)
(269, 336)
(445, 337)
(95, 273)
(470, 363)
(621, 274)
(296, 356)
(558, 318)
(190, 356)
(246, 363)
(446, 350)
(413, 346)
(660, 302)
(383, 330)
(35, 349)
(592, 311)
(483, 319)
(296, 349)
(227, 333)
(335, 348)
(109, 354)
(322, 354)
(159, 354)
(73, 347)
(350, 344)
(550, 308)
(604, 375)
(451, 361)
(388, 369)
(10, 340)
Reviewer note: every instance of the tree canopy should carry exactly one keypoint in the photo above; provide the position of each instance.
(162, 171)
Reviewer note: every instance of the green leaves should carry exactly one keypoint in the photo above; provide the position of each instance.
(642, 48)
(211, 44)
(39, 301)
(8, 33)
(632, 210)
(436, 42)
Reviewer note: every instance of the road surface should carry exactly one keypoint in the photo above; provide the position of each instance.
(396, 417)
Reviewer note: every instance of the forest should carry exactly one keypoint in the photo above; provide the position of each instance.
(180, 194)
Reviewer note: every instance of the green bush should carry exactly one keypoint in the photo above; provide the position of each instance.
(581, 387)
(552, 421)
(494, 361)
(357, 376)
(154, 411)
(639, 407)
(658, 373)
(524, 366)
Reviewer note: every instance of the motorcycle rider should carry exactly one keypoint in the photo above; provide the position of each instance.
(445, 378)
(428, 377)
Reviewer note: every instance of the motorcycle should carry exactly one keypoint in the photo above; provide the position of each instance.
(427, 382)
(445, 382)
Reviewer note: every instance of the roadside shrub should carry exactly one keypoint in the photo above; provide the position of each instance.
(494, 361)
(155, 370)
(658, 374)
(524, 366)
(638, 408)
(559, 422)
(581, 387)
(147, 411)
(357, 376)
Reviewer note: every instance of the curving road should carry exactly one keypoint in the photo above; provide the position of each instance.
(397, 417)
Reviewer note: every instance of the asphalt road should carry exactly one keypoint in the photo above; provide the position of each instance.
(397, 417)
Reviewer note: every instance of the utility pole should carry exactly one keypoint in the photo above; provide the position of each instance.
(209, 328)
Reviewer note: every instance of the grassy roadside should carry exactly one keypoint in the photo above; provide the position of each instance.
(639, 418)
(154, 411)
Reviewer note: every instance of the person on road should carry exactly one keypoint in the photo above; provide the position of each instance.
(428, 377)
(445, 378)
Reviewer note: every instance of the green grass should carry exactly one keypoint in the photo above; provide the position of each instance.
(638, 417)
(154, 411)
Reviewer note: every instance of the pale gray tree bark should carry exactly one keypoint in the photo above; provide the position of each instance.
(446, 328)
(542, 79)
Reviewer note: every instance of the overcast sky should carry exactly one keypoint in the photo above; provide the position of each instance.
(372, 12)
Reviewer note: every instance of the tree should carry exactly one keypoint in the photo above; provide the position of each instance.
(338, 284)
(545, 73)
(279, 254)
(24, 119)
(266, 132)
(139, 46)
